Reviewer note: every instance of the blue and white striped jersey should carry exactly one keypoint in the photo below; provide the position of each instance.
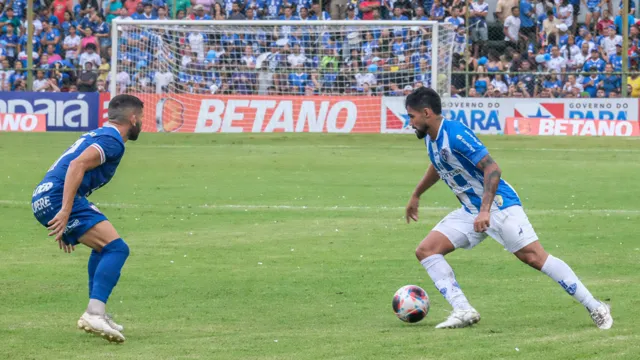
(455, 153)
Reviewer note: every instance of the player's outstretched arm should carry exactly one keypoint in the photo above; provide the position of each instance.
(89, 159)
(492, 174)
(428, 180)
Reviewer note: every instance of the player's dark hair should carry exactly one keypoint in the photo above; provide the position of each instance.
(424, 97)
(120, 106)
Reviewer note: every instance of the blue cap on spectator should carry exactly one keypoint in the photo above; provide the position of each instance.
(483, 60)
(373, 68)
(540, 58)
(547, 57)
(141, 64)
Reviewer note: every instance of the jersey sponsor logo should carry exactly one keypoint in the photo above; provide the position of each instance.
(465, 142)
(41, 204)
(23, 122)
(571, 127)
(42, 188)
(446, 175)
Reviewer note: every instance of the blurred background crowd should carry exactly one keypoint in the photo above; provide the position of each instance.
(503, 48)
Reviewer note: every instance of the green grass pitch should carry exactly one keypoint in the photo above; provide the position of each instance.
(291, 247)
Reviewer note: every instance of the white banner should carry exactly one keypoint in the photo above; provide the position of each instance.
(488, 116)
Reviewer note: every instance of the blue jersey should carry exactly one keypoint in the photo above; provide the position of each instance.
(455, 153)
(108, 142)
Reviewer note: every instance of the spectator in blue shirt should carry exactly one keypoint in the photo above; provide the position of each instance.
(35, 41)
(148, 12)
(437, 11)
(45, 14)
(12, 42)
(157, 4)
(273, 9)
(594, 62)
(397, 13)
(616, 60)
(68, 22)
(199, 13)
(592, 82)
(610, 82)
(140, 11)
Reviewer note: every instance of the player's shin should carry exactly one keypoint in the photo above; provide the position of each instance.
(445, 281)
(94, 260)
(107, 274)
(561, 273)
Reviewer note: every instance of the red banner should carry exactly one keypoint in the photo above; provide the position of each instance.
(23, 122)
(570, 127)
(241, 113)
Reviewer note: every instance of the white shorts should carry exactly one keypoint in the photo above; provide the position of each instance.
(510, 227)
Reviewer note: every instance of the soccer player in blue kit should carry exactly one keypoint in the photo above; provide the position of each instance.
(60, 203)
(490, 206)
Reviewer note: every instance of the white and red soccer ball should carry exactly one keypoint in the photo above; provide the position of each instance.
(411, 303)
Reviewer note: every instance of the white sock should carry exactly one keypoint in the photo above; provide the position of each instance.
(444, 279)
(96, 307)
(561, 273)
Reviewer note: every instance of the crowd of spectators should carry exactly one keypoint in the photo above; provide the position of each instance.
(513, 48)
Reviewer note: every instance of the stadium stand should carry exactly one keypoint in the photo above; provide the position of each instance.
(508, 48)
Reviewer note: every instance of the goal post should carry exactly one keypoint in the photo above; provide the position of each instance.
(254, 76)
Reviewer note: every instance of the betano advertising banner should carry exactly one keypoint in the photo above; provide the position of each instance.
(23, 122)
(488, 116)
(241, 113)
(570, 127)
(61, 111)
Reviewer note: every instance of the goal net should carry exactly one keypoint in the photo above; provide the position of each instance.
(269, 76)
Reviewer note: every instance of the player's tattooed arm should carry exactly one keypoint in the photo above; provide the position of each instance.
(492, 175)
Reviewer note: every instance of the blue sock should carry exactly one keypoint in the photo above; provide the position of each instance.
(94, 260)
(108, 272)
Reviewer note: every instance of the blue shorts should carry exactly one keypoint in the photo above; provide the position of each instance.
(47, 201)
(594, 9)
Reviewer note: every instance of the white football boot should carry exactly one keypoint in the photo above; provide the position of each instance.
(601, 316)
(460, 319)
(112, 323)
(98, 325)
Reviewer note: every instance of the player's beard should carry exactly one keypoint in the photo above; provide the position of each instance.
(134, 131)
(421, 132)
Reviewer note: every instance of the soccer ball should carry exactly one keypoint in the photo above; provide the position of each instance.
(411, 303)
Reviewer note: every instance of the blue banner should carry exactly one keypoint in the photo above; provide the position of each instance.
(64, 111)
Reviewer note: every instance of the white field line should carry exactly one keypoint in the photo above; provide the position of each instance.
(249, 207)
(315, 146)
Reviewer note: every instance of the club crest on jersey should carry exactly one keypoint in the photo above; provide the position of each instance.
(498, 200)
(444, 155)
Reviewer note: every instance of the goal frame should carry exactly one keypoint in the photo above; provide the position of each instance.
(390, 23)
